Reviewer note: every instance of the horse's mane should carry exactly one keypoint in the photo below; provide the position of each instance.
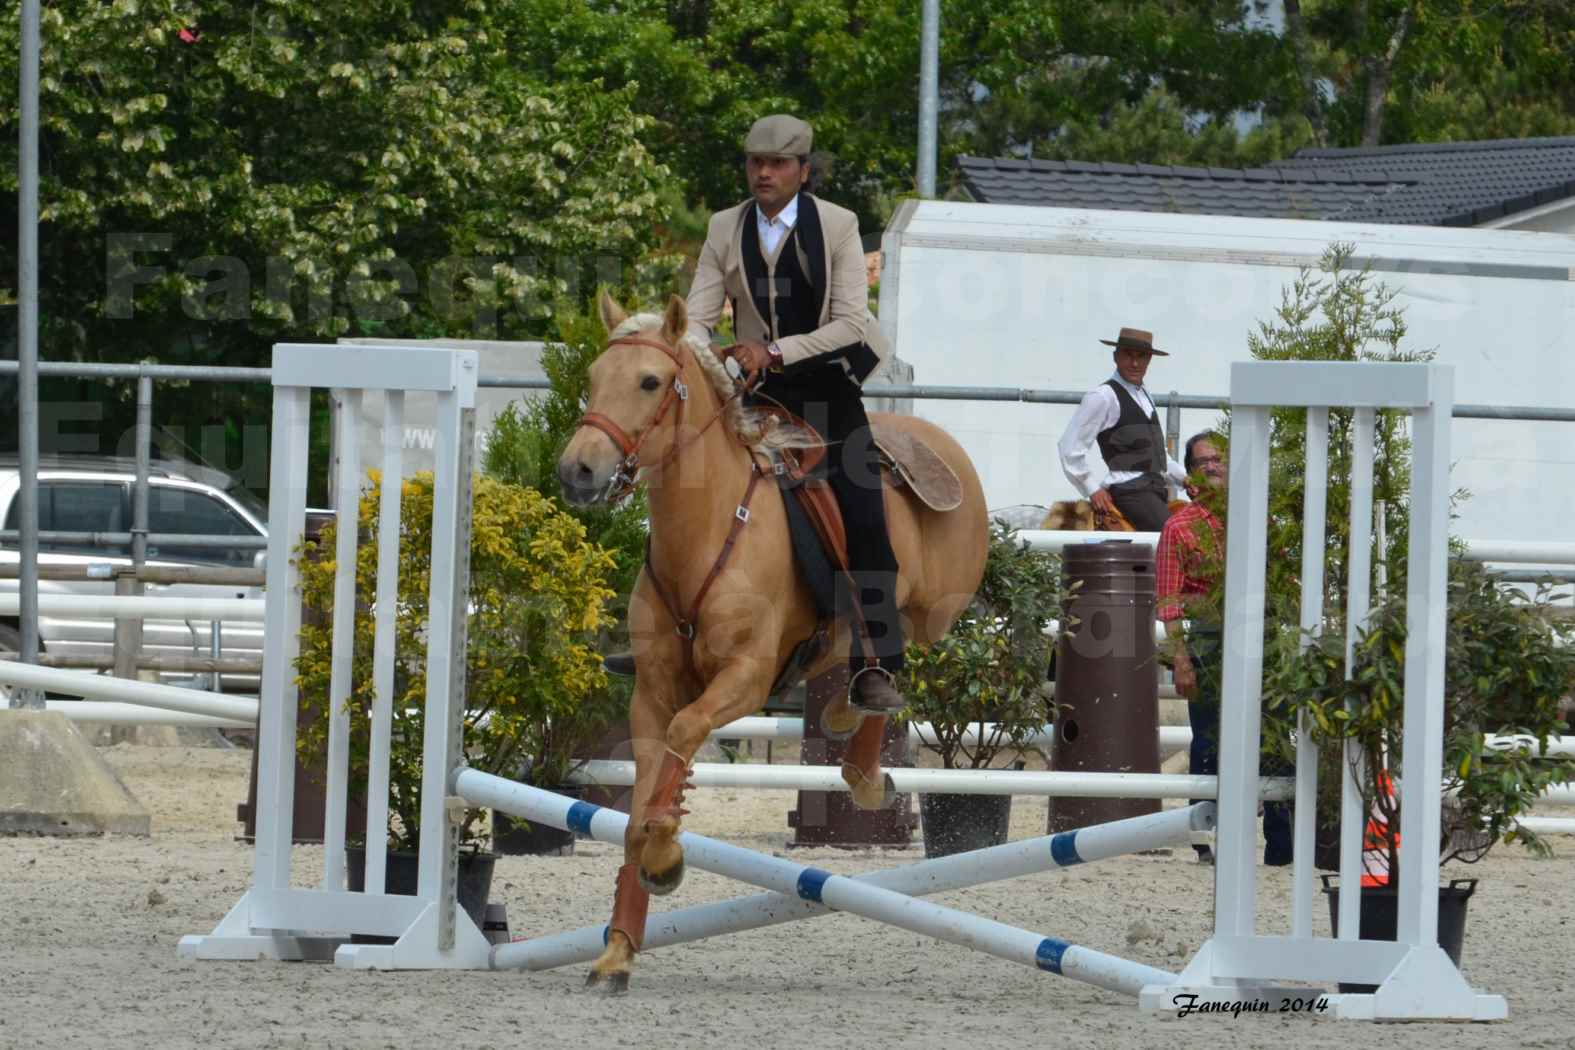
(756, 428)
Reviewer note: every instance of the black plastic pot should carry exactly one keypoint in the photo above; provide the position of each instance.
(1380, 914)
(513, 836)
(401, 876)
(960, 823)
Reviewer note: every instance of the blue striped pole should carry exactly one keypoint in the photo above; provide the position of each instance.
(939, 875)
(837, 892)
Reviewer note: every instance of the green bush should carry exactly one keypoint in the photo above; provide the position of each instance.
(533, 678)
(1508, 663)
(991, 666)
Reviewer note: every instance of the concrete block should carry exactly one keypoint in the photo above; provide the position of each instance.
(52, 782)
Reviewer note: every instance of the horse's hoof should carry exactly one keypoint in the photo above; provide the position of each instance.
(610, 983)
(839, 721)
(662, 885)
(868, 794)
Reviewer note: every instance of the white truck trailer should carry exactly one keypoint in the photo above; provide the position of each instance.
(1018, 296)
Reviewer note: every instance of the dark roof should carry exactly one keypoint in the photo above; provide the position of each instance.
(1457, 183)
(1443, 184)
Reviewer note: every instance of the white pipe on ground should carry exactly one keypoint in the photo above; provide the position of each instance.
(131, 607)
(101, 687)
(94, 712)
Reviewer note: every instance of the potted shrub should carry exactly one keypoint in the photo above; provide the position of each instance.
(537, 589)
(1509, 662)
(981, 688)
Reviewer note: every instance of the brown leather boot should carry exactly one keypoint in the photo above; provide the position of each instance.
(874, 694)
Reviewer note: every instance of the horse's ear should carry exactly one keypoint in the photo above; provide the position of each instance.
(675, 322)
(612, 313)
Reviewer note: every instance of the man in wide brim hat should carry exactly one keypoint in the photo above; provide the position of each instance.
(1120, 418)
(1135, 339)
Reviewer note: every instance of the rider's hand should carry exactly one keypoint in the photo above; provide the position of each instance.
(1103, 501)
(751, 357)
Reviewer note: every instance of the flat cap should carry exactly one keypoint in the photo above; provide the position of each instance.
(779, 135)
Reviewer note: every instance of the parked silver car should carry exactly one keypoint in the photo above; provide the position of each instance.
(94, 495)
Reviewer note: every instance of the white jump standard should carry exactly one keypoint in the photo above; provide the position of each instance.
(1415, 980)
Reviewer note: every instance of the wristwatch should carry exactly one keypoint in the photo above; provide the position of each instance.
(776, 355)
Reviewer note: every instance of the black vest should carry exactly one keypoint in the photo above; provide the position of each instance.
(1136, 442)
(791, 302)
(795, 308)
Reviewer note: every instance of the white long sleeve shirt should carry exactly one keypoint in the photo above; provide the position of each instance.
(773, 230)
(1098, 411)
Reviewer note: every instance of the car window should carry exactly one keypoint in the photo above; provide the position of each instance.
(78, 506)
(186, 511)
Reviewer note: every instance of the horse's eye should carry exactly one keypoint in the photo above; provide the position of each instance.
(650, 383)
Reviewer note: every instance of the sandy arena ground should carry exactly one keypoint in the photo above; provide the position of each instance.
(88, 930)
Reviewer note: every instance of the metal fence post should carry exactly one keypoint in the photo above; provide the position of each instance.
(1173, 424)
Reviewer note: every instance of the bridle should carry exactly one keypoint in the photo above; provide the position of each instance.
(626, 476)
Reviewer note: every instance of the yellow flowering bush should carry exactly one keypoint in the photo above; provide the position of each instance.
(533, 676)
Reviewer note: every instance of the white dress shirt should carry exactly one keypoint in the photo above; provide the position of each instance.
(1098, 411)
(773, 230)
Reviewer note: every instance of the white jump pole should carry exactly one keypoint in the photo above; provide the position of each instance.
(91, 712)
(765, 727)
(615, 773)
(131, 607)
(1171, 738)
(838, 892)
(940, 875)
(121, 690)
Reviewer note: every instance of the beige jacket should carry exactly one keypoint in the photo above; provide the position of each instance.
(844, 315)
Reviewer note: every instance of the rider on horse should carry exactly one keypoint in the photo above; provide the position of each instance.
(792, 266)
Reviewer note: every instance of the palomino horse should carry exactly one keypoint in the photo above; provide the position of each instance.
(719, 607)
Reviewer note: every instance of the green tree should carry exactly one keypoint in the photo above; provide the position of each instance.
(1334, 314)
(218, 178)
(1437, 70)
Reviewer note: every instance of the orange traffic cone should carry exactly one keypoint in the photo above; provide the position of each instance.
(1377, 838)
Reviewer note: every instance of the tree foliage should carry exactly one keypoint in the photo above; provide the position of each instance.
(216, 178)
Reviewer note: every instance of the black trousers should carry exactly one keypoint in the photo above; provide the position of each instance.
(1204, 757)
(1143, 502)
(826, 399)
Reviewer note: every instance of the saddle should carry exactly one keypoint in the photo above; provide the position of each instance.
(816, 530)
(1082, 516)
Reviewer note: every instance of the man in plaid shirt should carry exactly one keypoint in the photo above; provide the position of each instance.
(1190, 556)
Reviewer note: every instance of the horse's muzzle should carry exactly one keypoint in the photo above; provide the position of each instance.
(581, 487)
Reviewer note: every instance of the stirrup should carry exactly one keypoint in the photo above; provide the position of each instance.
(886, 700)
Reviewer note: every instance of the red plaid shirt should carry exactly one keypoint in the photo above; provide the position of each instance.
(1179, 560)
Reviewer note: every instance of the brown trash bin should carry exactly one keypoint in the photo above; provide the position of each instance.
(829, 818)
(1107, 677)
